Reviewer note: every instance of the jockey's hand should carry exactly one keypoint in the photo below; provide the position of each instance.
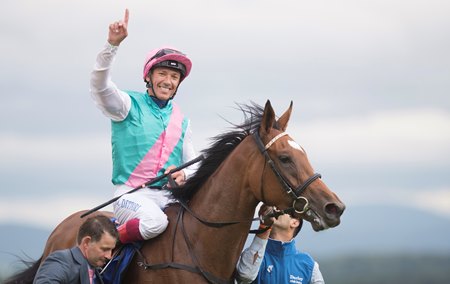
(263, 213)
(118, 31)
(179, 177)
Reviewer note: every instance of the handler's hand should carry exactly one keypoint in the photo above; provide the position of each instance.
(118, 31)
(179, 177)
(263, 213)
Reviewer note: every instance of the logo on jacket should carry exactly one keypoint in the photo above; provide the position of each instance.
(295, 279)
(269, 268)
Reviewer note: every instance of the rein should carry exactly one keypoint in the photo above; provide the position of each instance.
(223, 224)
(213, 224)
(294, 193)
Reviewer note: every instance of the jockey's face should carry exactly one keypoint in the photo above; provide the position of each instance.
(98, 253)
(165, 82)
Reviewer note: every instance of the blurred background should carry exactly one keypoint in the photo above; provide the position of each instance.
(371, 92)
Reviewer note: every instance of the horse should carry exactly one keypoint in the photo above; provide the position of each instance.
(257, 161)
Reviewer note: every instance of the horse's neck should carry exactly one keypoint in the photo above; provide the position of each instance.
(225, 197)
(226, 194)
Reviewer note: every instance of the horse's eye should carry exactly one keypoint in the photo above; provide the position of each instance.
(285, 159)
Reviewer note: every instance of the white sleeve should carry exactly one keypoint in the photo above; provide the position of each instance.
(317, 277)
(113, 102)
(189, 152)
(250, 261)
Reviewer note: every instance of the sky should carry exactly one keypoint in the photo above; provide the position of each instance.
(370, 82)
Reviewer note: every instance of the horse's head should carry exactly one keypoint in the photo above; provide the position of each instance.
(288, 178)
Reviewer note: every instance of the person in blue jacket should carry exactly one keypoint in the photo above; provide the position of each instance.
(273, 257)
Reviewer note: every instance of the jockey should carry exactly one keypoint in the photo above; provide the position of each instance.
(149, 134)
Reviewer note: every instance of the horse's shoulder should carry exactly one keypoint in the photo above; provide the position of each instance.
(172, 210)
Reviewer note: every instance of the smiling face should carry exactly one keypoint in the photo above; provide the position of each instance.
(165, 82)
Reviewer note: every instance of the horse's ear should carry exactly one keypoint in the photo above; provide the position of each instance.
(284, 119)
(268, 119)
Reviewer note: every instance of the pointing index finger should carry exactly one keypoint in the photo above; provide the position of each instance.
(125, 19)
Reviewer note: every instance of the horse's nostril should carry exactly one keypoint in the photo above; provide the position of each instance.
(331, 209)
(334, 209)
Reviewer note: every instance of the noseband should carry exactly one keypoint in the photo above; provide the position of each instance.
(295, 193)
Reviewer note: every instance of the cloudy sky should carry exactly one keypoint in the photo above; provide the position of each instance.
(370, 81)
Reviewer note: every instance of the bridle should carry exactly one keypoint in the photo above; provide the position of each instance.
(295, 193)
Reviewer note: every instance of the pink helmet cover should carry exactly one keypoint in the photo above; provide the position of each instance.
(151, 60)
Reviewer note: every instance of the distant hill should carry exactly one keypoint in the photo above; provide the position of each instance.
(387, 269)
(379, 230)
(20, 242)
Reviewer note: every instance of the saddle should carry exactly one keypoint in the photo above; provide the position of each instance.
(114, 270)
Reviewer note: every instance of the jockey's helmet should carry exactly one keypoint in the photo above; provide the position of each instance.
(167, 57)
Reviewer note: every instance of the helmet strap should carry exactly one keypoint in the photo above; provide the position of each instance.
(149, 84)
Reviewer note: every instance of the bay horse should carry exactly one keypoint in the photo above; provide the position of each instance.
(256, 162)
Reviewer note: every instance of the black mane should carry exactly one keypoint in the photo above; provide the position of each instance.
(220, 147)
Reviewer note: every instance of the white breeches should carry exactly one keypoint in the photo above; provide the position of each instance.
(145, 204)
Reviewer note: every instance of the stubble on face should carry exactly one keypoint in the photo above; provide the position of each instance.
(165, 82)
(98, 253)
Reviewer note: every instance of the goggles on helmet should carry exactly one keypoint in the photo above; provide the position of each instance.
(169, 63)
(165, 51)
(167, 57)
(173, 65)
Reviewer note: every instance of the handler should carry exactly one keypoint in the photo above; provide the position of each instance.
(273, 257)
